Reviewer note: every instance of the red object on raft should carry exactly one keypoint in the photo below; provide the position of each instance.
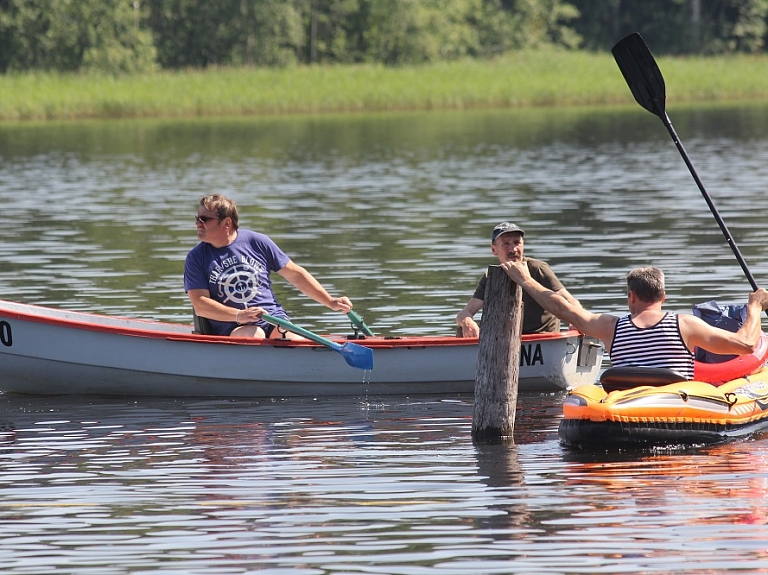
(719, 373)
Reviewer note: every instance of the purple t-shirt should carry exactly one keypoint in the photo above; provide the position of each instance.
(237, 275)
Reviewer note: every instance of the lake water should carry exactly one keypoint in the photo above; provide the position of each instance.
(394, 211)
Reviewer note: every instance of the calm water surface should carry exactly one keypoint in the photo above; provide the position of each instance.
(344, 486)
(395, 212)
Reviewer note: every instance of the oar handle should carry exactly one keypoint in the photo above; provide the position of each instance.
(358, 322)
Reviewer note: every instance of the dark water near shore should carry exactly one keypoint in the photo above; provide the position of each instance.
(395, 212)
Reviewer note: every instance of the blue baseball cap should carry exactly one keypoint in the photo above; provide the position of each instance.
(504, 228)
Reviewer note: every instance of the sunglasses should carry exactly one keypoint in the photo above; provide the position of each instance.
(205, 219)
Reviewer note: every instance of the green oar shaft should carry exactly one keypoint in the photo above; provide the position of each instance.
(355, 355)
(358, 322)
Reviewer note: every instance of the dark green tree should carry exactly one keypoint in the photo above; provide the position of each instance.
(265, 33)
(332, 31)
(416, 31)
(200, 33)
(188, 33)
(675, 26)
(99, 35)
(731, 26)
(546, 22)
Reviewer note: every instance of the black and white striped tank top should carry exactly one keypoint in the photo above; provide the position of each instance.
(660, 345)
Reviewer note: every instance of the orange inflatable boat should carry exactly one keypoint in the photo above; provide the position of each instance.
(645, 408)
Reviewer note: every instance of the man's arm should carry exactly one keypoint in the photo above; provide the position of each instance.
(572, 300)
(306, 283)
(205, 306)
(568, 297)
(698, 333)
(464, 318)
(600, 326)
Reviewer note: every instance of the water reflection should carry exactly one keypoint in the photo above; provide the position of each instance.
(709, 506)
(239, 481)
(355, 485)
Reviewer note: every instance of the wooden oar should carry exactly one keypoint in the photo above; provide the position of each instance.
(647, 85)
(358, 323)
(355, 355)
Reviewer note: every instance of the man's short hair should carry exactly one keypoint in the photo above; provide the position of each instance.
(647, 283)
(223, 206)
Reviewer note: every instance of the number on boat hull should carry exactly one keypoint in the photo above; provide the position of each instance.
(6, 338)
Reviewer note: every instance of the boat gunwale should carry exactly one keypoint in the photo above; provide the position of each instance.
(57, 317)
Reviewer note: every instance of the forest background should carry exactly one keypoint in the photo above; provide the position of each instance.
(51, 51)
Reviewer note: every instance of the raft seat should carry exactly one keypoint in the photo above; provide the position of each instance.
(621, 378)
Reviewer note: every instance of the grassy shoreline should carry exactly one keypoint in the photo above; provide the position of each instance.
(524, 79)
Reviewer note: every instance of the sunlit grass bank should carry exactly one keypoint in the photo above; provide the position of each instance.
(540, 78)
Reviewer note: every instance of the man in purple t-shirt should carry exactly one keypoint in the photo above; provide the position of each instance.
(227, 275)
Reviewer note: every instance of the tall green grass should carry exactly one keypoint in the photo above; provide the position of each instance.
(530, 78)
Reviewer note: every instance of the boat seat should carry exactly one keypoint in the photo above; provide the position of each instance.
(201, 325)
(621, 378)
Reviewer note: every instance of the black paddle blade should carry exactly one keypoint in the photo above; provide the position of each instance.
(641, 73)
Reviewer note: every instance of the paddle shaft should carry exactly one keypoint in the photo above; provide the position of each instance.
(355, 355)
(285, 324)
(710, 203)
(644, 79)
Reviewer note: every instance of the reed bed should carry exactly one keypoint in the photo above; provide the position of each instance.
(523, 79)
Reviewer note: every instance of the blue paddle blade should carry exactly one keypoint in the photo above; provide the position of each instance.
(357, 355)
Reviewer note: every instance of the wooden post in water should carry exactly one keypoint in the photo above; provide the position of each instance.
(498, 359)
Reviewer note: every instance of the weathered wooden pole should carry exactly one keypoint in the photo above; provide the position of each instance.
(498, 359)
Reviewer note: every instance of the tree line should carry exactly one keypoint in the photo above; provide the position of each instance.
(131, 36)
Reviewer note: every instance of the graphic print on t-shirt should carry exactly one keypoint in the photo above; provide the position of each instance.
(240, 283)
(237, 275)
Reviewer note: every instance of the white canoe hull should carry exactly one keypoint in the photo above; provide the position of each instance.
(49, 351)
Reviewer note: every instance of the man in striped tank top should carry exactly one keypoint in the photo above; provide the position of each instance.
(648, 336)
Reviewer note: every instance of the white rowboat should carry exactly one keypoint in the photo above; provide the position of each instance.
(49, 351)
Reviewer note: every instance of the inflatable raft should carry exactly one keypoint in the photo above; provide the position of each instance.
(646, 408)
